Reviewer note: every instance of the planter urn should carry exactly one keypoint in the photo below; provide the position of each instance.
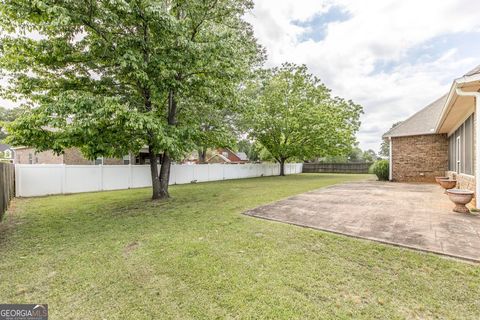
(447, 184)
(460, 198)
(437, 179)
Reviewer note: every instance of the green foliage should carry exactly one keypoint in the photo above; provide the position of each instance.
(369, 156)
(252, 149)
(7, 116)
(385, 146)
(381, 169)
(293, 115)
(113, 76)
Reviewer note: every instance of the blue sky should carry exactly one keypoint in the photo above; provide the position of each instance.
(393, 57)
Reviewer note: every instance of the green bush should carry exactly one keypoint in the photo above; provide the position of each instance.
(381, 169)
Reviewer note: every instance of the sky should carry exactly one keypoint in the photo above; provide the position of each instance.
(393, 57)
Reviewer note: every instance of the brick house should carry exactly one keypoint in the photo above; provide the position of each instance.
(441, 138)
(225, 155)
(73, 156)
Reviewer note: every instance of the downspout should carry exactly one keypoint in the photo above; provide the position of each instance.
(476, 95)
(390, 164)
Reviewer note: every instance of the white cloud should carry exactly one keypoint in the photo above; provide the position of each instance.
(378, 31)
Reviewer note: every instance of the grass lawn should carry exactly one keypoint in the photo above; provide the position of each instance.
(117, 255)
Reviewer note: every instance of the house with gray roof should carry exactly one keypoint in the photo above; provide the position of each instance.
(440, 139)
(7, 154)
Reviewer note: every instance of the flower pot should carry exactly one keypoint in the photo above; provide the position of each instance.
(437, 179)
(460, 197)
(447, 184)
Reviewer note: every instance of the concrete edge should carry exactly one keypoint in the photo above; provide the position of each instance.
(372, 239)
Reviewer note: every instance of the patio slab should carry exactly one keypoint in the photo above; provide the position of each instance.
(416, 216)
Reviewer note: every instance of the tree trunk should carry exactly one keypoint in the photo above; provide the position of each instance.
(202, 155)
(282, 167)
(154, 173)
(166, 160)
(164, 176)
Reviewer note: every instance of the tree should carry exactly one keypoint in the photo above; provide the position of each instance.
(293, 115)
(111, 77)
(355, 155)
(369, 156)
(251, 149)
(7, 116)
(385, 146)
(216, 131)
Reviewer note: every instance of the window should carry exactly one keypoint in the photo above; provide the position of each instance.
(460, 148)
(225, 154)
(99, 161)
(126, 159)
(30, 158)
(7, 154)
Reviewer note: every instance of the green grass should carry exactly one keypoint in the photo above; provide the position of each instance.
(117, 255)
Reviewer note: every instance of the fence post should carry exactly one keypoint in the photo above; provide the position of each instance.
(63, 187)
(101, 177)
(130, 175)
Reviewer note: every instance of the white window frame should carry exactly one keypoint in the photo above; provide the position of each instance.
(458, 153)
(99, 164)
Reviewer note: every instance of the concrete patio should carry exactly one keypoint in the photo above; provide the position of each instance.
(417, 216)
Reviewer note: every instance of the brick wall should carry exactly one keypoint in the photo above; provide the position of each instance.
(75, 157)
(71, 156)
(46, 157)
(419, 158)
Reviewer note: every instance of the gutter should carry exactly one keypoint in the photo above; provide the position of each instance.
(476, 96)
(455, 84)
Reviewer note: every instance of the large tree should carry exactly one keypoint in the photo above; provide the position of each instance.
(293, 115)
(111, 77)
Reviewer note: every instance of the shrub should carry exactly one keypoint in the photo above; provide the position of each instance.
(381, 169)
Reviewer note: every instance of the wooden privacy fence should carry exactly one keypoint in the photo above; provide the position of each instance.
(7, 186)
(336, 167)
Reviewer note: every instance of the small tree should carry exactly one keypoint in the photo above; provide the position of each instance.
(292, 115)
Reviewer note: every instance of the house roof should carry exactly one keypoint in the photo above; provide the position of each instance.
(222, 157)
(461, 105)
(4, 147)
(242, 156)
(473, 72)
(422, 122)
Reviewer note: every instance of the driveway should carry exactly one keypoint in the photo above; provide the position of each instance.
(417, 216)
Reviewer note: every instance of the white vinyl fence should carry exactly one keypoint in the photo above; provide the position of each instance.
(46, 179)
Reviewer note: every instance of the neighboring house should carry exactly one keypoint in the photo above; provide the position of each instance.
(73, 156)
(7, 154)
(225, 155)
(440, 139)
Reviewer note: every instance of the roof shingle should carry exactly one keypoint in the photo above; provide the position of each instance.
(422, 122)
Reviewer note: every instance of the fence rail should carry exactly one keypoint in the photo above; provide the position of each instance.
(336, 167)
(44, 179)
(7, 186)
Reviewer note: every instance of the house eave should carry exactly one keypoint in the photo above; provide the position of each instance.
(452, 97)
(408, 135)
